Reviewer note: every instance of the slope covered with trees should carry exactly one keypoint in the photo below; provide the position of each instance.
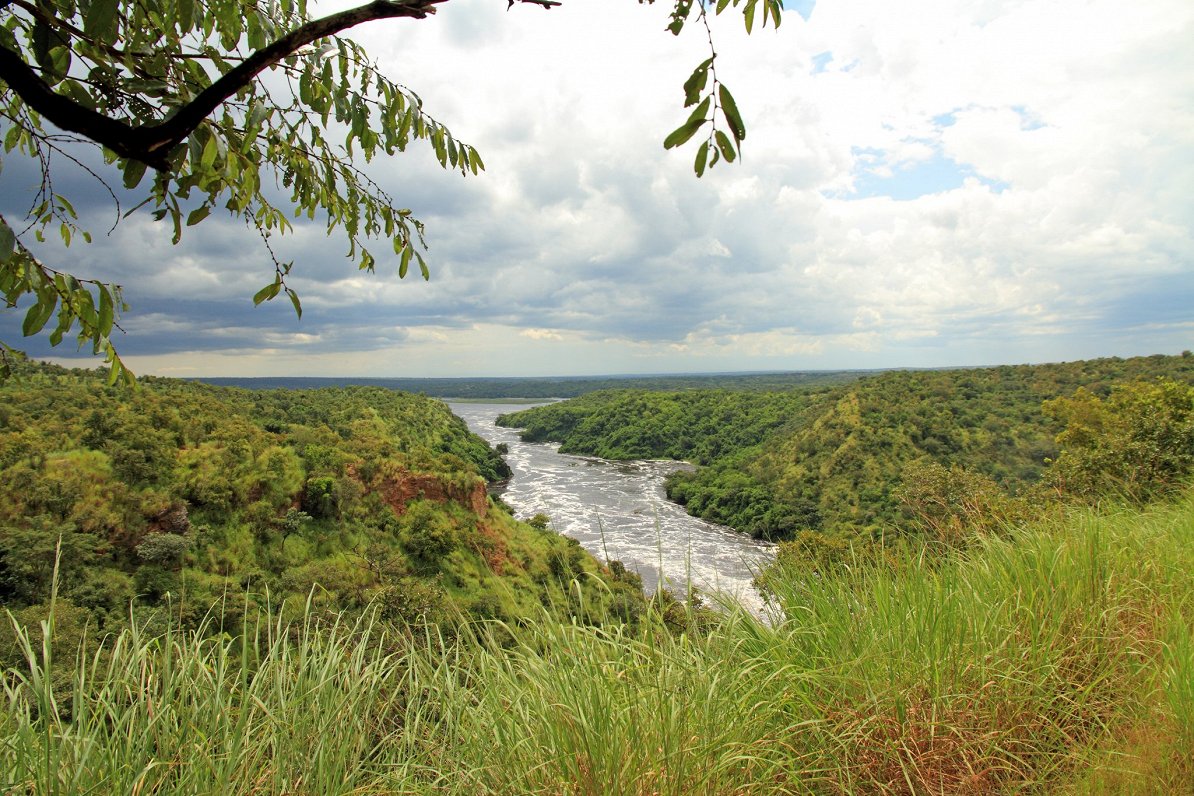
(1057, 658)
(840, 460)
(700, 426)
(545, 388)
(179, 495)
(1054, 654)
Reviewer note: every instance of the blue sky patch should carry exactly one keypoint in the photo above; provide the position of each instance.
(802, 7)
(937, 175)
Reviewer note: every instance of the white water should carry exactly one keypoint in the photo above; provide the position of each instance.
(618, 510)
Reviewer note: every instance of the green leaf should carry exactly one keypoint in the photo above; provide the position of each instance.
(294, 299)
(85, 308)
(106, 311)
(198, 214)
(186, 14)
(211, 151)
(8, 242)
(100, 19)
(679, 15)
(134, 170)
(727, 148)
(682, 133)
(13, 137)
(257, 114)
(38, 314)
(404, 263)
(44, 38)
(702, 155)
(266, 293)
(776, 8)
(698, 113)
(65, 205)
(730, 109)
(695, 84)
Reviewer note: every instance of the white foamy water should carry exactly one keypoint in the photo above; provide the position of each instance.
(618, 510)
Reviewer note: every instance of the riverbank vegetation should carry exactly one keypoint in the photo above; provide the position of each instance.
(992, 644)
(517, 389)
(841, 460)
(1056, 658)
(175, 495)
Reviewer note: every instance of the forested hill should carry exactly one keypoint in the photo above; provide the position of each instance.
(544, 388)
(699, 426)
(834, 459)
(182, 494)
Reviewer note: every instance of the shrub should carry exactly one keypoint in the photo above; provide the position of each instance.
(166, 549)
(1138, 443)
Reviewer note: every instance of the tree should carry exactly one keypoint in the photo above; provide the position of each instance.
(952, 505)
(197, 105)
(1138, 443)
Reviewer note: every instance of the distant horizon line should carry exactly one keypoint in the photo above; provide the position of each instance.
(665, 374)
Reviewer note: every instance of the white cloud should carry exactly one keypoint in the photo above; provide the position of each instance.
(585, 247)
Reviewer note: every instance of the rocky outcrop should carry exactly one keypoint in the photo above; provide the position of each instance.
(171, 519)
(400, 488)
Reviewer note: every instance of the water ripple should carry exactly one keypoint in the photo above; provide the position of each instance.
(618, 510)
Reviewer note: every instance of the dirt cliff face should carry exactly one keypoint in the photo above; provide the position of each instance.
(400, 488)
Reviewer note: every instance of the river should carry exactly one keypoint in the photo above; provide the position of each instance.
(618, 510)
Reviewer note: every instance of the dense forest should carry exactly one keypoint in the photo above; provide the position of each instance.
(542, 388)
(1008, 647)
(845, 460)
(186, 496)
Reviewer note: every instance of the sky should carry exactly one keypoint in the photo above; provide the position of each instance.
(923, 184)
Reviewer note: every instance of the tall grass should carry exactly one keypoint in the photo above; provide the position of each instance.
(1057, 659)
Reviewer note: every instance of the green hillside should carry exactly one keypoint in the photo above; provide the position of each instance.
(833, 459)
(1056, 659)
(177, 495)
(448, 650)
(700, 426)
(542, 388)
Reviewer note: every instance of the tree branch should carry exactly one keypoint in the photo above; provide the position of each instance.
(174, 129)
(152, 143)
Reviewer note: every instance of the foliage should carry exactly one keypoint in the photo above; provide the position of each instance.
(697, 425)
(530, 388)
(342, 494)
(954, 506)
(1136, 443)
(831, 459)
(166, 549)
(1053, 660)
(225, 102)
(30, 554)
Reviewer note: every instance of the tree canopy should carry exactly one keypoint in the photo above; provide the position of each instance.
(922, 451)
(202, 107)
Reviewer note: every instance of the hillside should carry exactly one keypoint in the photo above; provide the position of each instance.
(699, 426)
(1051, 654)
(544, 388)
(1058, 659)
(833, 459)
(179, 494)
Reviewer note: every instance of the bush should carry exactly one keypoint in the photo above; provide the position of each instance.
(166, 549)
(427, 535)
(1138, 443)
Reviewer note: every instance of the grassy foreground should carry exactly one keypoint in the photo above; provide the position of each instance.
(1059, 660)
